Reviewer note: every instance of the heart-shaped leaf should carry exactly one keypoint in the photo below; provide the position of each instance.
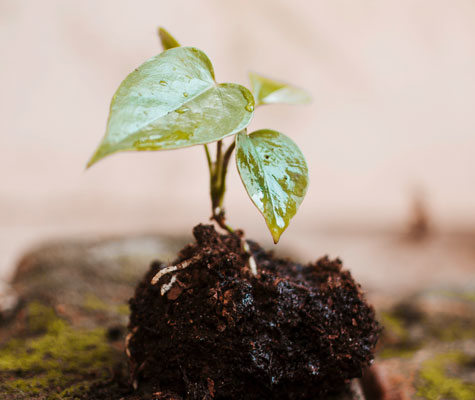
(167, 40)
(172, 101)
(275, 174)
(268, 91)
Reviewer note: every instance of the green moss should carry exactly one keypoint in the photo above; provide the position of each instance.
(95, 304)
(399, 352)
(57, 361)
(123, 309)
(440, 327)
(394, 325)
(40, 318)
(469, 296)
(452, 329)
(435, 383)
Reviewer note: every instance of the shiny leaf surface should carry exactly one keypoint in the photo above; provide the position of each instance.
(268, 91)
(167, 40)
(275, 174)
(172, 101)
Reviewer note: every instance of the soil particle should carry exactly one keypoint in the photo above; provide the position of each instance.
(218, 332)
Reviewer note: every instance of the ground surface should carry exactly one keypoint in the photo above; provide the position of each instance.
(64, 339)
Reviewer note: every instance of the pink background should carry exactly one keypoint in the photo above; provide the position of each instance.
(393, 114)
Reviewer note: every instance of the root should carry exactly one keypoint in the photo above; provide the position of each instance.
(173, 268)
(251, 261)
(167, 286)
(186, 263)
(128, 338)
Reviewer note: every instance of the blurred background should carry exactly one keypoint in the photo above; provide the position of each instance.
(389, 137)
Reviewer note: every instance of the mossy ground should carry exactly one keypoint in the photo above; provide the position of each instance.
(438, 380)
(439, 336)
(53, 360)
(407, 328)
(67, 353)
(398, 338)
(93, 303)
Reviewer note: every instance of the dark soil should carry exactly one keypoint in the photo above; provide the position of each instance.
(292, 332)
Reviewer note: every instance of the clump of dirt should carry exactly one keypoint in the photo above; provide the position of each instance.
(214, 331)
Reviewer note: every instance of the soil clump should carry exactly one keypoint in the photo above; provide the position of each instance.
(212, 330)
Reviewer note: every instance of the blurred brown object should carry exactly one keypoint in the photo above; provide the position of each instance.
(419, 224)
(378, 384)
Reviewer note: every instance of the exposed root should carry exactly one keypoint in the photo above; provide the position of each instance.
(167, 286)
(163, 272)
(128, 338)
(173, 268)
(252, 261)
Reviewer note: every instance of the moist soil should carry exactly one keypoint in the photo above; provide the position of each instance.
(212, 330)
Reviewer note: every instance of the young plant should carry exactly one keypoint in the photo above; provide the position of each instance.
(173, 101)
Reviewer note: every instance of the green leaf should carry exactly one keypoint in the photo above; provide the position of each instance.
(275, 174)
(268, 91)
(172, 101)
(168, 41)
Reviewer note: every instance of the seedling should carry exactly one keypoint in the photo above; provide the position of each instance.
(214, 330)
(172, 101)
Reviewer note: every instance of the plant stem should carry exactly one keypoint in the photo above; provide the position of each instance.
(218, 171)
(208, 158)
(226, 158)
(218, 189)
(217, 178)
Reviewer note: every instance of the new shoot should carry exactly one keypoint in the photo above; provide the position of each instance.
(172, 101)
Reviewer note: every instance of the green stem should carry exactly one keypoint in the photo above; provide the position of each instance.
(208, 158)
(218, 171)
(219, 166)
(224, 171)
(226, 158)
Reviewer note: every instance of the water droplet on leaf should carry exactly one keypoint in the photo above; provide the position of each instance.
(185, 94)
(249, 108)
(163, 83)
(182, 110)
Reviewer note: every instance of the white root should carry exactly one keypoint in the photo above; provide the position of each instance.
(184, 264)
(252, 261)
(167, 286)
(173, 268)
(163, 272)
